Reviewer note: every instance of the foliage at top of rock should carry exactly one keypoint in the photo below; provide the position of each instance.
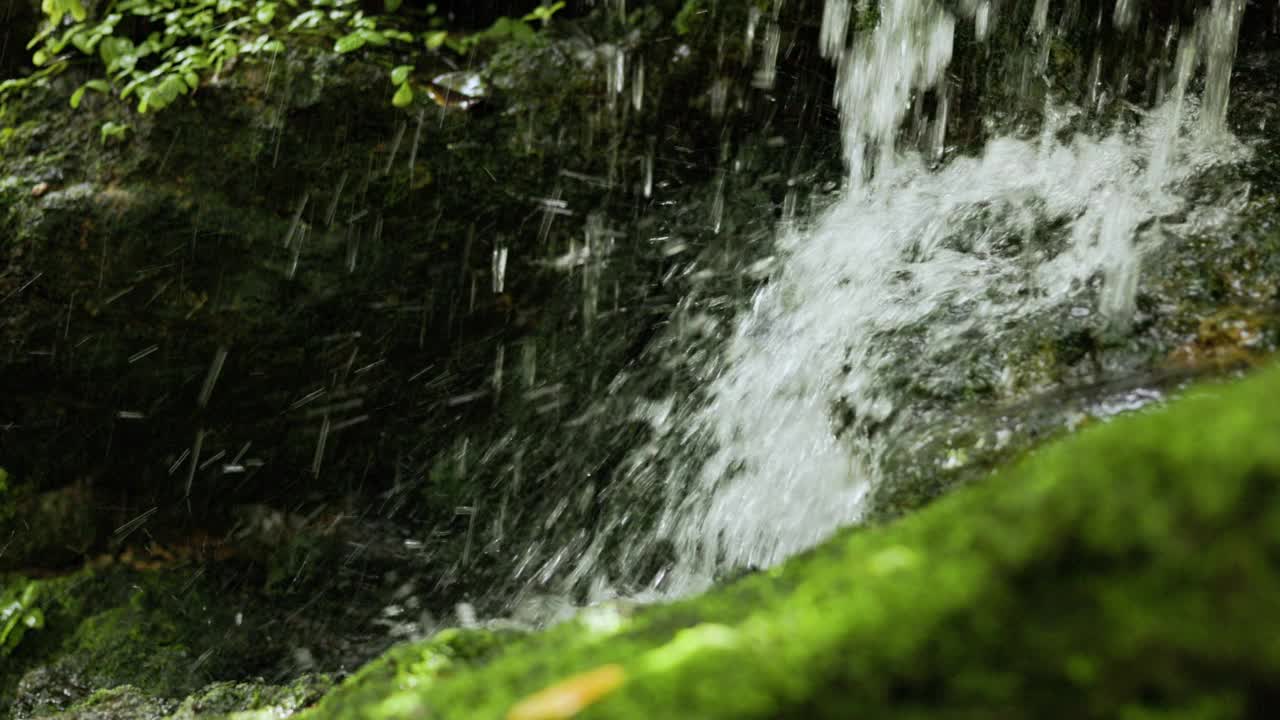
(153, 52)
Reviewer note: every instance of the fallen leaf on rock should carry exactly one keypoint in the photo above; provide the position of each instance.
(570, 696)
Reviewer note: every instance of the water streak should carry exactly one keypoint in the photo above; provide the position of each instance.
(786, 442)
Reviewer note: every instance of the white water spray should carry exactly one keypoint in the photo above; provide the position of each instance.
(977, 247)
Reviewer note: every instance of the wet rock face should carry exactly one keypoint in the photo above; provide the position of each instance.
(285, 292)
(1206, 305)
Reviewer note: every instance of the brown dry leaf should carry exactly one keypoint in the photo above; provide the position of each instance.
(570, 696)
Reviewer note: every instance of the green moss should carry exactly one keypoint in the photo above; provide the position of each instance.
(220, 701)
(1126, 571)
(121, 702)
(160, 631)
(390, 686)
(252, 700)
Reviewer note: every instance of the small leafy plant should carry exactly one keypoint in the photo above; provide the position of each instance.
(17, 616)
(153, 52)
(112, 130)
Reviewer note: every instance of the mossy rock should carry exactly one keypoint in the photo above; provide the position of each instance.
(1128, 571)
(220, 701)
(52, 528)
(164, 633)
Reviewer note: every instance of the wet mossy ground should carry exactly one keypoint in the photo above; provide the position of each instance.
(165, 633)
(220, 701)
(1128, 571)
(1090, 572)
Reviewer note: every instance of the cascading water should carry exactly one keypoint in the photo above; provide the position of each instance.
(872, 318)
(785, 443)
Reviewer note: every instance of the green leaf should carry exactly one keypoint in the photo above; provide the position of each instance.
(435, 39)
(544, 13)
(373, 37)
(96, 85)
(57, 9)
(504, 28)
(160, 96)
(171, 88)
(126, 63)
(129, 88)
(400, 74)
(684, 20)
(403, 96)
(393, 5)
(310, 18)
(85, 42)
(112, 49)
(41, 36)
(265, 13)
(349, 43)
(53, 10)
(112, 129)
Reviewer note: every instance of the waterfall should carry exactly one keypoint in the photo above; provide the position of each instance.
(910, 262)
(783, 422)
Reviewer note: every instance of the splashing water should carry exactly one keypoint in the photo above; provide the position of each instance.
(886, 260)
(850, 342)
(907, 265)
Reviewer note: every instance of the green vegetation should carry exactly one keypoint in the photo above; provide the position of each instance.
(152, 52)
(418, 666)
(159, 634)
(1128, 570)
(684, 20)
(220, 701)
(19, 612)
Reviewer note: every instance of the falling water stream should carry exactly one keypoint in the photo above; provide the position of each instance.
(925, 250)
(777, 436)
(961, 249)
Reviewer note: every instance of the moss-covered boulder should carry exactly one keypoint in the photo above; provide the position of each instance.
(175, 637)
(1129, 571)
(220, 701)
